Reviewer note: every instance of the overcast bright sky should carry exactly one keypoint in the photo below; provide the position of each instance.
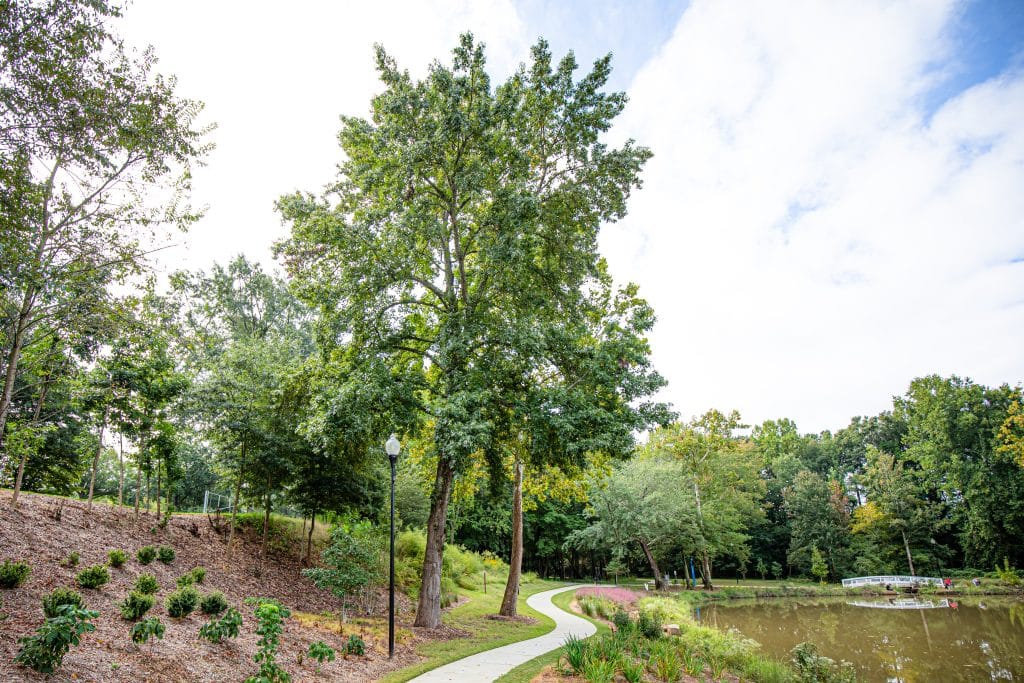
(835, 205)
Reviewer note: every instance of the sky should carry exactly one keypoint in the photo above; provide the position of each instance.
(836, 199)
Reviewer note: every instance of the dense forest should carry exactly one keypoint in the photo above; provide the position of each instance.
(449, 291)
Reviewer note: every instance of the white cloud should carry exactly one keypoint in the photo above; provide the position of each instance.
(812, 241)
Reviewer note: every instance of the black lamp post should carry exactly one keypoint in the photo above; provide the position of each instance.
(392, 447)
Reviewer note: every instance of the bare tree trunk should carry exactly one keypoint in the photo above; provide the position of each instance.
(906, 546)
(266, 526)
(120, 474)
(96, 457)
(35, 422)
(428, 611)
(705, 570)
(238, 492)
(138, 476)
(159, 475)
(515, 565)
(309, 539)
(659, 583)
(686, 573)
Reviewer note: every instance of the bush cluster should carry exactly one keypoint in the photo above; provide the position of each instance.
(145, 554)
(165, 554)
(117, 558)
(136, 605)
(213, 603)
(13, 574)
(182, 602)
(60, 596)
(93, 577)
(147, 584)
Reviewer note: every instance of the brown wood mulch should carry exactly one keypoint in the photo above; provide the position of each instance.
(32, 534)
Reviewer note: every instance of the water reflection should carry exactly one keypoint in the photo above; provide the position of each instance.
(890, 640)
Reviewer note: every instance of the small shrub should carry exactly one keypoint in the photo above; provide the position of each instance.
(649, 625)
(182, 602)
(269, 616)
(355, 646)
(225, 627)
(165, 554)
(1007, 574)
(117, 558)
(575, 653)
(692, 661)
(147, 584)
(814, 668)
(665, 663)
(623, 623)
(146, 629)
(45, 651)
(71, 560)
(320, 652)
(145, 554)
(136, 605)
(198, 574)
(60, 596)
(632, 671)
(213, 603)
(13, 574)
(93, 577)
(599, 670)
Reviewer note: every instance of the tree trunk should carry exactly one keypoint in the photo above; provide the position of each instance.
(159, 476)
(515, 565)
(705, 570)
(138, 477)
(266, 526)
(428, 610)
(21, 325)
(96, 457)
(234, 506)
(686, 573)
(659, 583)
(35, 422)
(907, 547)
(120, 473)
(309, 539)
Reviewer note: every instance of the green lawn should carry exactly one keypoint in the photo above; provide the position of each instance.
(486, 634)
(526, 672)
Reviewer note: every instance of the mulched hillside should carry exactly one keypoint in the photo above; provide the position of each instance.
(34, 534)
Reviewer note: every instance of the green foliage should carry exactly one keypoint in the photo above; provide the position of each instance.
(622, 622)
(665, 662)
(13, 574)
(117, 558)
(213, 603)
(182, 602)
(199, 574)
(165, 554)
(45, 651)
(225, 627)
(146, 584)
(146, 629)
(632, 671)
(355, 646)
(649, 624)
(814, 668)
(191, 577)
(320, 652)
(353, 561)
(136, 605)
(1007, 574)
(575, 654)
(599, 670)
(145, 554)
(93, 577)
(270, 614)
(60, 596)
(71, 560)
(819, 569)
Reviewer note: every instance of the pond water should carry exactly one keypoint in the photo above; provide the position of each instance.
(969, 639)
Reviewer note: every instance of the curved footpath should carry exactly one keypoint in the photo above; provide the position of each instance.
(484, 667)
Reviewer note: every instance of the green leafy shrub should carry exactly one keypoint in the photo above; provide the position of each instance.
(13, 574)
(93, 577)
(599, 670)
(165, 554)
(71, 560)
(623, 623)
(182, 602)
(1007, 574)
(60, 596)
(649, 625)
(320, 652)
(145, 554)
(192, 577)
(45, 651)
(226, 627)
(814, 668)
(355, 646)
(117, 558)
(351, 562)
(146, 629)
(213, 603)
(270, 614)
(575, 653)
(665, 662)
(632, 671)
(136, 605)
(146, 583)
(198, 574)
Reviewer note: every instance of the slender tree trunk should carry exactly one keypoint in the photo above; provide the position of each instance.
(686, 574)
(35, 423)
(138, 476)
(309, 539)
(428, 611)
(906, 546)
(159, 476)
(96, 457)
(120, 471)
(266, 526)
(705, 570)
(515, 565)
(234, 505)
(21, 325)
(659, 583)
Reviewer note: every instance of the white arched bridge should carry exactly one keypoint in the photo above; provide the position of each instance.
(893, 580)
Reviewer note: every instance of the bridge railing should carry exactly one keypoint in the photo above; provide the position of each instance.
(890, 579)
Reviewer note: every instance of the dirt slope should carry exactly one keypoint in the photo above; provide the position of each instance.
(31, 533)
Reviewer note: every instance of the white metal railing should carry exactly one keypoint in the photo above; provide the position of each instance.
(901, 604)
(892, 580)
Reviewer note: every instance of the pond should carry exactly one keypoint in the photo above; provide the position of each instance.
(969, 639)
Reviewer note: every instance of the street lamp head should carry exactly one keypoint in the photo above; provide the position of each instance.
(392, 447)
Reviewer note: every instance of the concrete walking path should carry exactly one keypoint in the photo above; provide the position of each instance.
(484, 667)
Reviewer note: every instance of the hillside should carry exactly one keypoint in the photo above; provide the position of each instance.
(34, 534)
